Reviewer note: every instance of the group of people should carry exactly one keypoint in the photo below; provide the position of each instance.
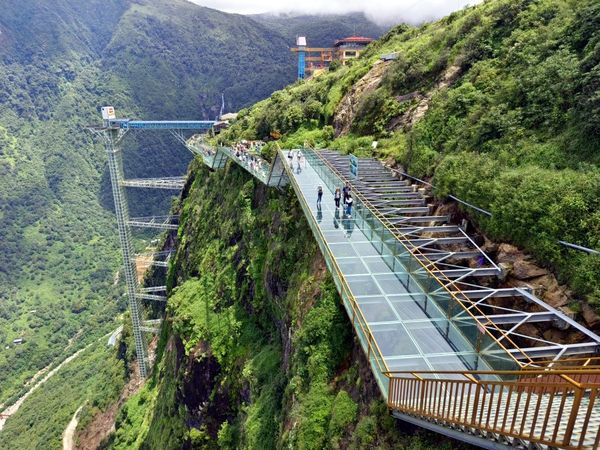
(296, 157)
(246, 152)
(339, 195)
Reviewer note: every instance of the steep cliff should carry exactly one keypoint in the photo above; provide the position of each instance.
(257, 351)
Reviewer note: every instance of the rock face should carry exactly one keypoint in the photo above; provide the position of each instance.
(410, 118)
(344, 116)
(521, 271)
(526, 270)
(592, 319)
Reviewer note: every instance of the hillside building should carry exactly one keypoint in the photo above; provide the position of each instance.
(350, 47)
(314, 60)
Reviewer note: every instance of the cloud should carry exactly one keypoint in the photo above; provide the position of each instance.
(385, 12)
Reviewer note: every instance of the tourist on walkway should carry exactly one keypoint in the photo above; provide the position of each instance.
(348, 203)
(346, 192)
(319, 195)
(337, 196)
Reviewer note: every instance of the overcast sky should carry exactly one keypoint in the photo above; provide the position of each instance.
(385, 12)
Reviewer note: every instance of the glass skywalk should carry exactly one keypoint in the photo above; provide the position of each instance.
(408, 327)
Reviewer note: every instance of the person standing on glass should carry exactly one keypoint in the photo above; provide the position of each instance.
(346, 191)
(319, 196)
(349, 202)
(337, 196)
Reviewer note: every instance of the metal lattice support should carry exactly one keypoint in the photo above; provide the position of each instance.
(111, 132)
(115, 166)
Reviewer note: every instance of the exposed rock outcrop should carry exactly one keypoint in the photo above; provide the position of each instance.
(344, 115)
(408, 119)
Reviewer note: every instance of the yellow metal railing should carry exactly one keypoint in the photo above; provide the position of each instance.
(345, 292)
(546, 396)
(538, 406)
(444, 282)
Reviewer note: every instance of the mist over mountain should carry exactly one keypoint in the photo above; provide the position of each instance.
(320, 30)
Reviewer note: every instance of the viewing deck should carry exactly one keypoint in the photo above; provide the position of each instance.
(383, 299)
(446, 355)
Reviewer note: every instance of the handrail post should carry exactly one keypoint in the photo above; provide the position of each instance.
(574, 415)
(475, 403)
(474, 380)
(421, 383)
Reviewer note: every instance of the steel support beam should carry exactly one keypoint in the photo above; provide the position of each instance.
(170, 183)
(151, 297)
(115, 165)
(159, 223)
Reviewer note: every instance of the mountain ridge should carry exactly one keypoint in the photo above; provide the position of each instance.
(59, 245)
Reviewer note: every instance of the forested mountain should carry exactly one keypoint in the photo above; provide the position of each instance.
(498, 104)
(321, 31)
(60, 60)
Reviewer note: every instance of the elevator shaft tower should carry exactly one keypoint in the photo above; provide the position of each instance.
(112, 132)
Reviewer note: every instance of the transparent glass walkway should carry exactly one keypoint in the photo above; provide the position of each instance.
(409, 330)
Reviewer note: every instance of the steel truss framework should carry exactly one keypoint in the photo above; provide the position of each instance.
(454, 273)
(158, 259)
(451, 262)
(422, 356)
(112, 134)
(171, 183)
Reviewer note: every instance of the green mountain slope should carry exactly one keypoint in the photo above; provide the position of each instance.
(178, 58)
(59, 62)
(257, 350)
(496, 104)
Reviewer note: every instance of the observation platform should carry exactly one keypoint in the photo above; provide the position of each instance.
(398, 325)
(446, 351)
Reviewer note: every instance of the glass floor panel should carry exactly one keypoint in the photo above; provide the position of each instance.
(394, 340)
(343, 250)
(409, 307)
(352, 266)
(392, 283)
(377, 309)
(376, 264)
(409, 328)
(363, 285)
(333, 236)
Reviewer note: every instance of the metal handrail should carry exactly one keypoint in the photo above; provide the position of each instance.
(520, 372)
(425, 263)
(346, 289)
(532, 409)
(437, 398)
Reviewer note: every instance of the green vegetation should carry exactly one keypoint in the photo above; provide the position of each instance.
(93, 380)
(494, 103)
(259, 352)
(60, 61)
(498, 104)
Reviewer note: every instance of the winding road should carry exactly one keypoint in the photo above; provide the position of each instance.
(12, 409)
(69, 432)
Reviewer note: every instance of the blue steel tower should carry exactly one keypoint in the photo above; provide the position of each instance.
(301, 43)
